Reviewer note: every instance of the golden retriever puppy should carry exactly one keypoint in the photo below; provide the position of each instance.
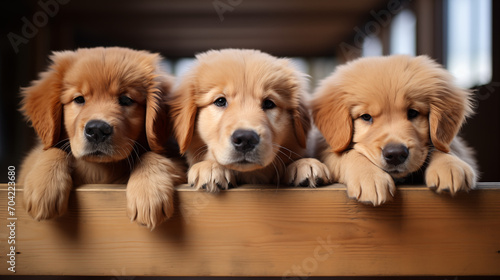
(240, 117)
(101, 118)
(387, 119)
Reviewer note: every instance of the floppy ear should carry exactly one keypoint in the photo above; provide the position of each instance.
(448, 110)
(332, 117)
(301, 123)
(183, 112)
(449, 104)
(157, 123)
(41, 103)
(292, 81)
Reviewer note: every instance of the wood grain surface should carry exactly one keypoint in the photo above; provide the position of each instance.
(262, 231)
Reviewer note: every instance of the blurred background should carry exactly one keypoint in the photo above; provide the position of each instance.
(318, 34)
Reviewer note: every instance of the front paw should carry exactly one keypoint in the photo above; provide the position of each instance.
(370, 185)
(210, 176)
(150, 190)
(449, 173)
(148, 205)
(48, 185)
(307, 172)
(46, 199)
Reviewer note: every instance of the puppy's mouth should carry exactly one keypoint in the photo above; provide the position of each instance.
(98, 137)
(395, 158)
(245, 163)
(246, 154)
(97, 154)
(102, 152)
(397, 172)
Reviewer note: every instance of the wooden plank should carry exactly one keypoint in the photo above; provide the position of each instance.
(263, 231)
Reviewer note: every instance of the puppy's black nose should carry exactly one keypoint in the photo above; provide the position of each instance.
(97, 131)
(245, 140)
(395, 154)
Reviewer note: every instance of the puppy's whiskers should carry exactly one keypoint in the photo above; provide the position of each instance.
(276, 157)
(138, 145)
(277, 175)
(427, 160)
(65, 144)
(67, 148)
(135, 151)
(279, 171)
(200, 152)
(290, 152)
(125, 154)
(135, 148)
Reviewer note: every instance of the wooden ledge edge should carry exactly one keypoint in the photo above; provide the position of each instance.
(254, 187)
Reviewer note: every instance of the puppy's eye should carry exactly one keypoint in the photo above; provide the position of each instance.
(125, 100)
(79, 100)
(220, 102)
(412, 114)
(268, 104)
(366, 118)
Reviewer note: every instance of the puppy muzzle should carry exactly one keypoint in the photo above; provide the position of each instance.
(246, 152)
(98, 135)
(244, 140)
(395, 157)
(97, 131)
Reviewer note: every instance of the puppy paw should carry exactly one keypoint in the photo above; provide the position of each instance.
(47, 186)
(370, 185)
(307, 172)
(149, 205)
(150, 190)
(210, 176)
(448, 173)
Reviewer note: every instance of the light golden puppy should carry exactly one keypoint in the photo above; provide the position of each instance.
(101, 117)
(240, 117)
(387, 119)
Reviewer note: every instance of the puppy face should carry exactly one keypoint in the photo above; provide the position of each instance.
(391, 109)
(247, 106)
(103, 115)
(243, 130)
(104, 100)
(392, 135)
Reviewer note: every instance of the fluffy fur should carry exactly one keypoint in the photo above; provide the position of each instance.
(101, 117)
(240, 117)
(391, 118)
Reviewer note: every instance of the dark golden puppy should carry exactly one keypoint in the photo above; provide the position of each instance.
(385, 118)
(101, 118)
(240, 117)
